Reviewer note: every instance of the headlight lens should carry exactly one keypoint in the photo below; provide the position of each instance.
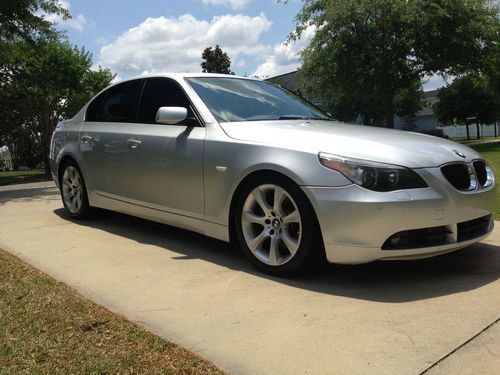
(372, 175)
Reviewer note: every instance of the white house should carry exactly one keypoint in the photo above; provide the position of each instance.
(5, 160)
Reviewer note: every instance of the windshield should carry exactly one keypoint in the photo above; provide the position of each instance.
(233, 100)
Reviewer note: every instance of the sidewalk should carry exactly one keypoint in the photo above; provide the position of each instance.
(380, 318)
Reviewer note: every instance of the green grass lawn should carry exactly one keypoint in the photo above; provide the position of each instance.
(472, 141)
(491, 152)
(21, 177)
(48, 328)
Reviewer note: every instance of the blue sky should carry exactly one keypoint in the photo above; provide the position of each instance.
(133, 37)
(136, 37)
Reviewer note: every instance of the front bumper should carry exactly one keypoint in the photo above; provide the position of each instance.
(356, 222)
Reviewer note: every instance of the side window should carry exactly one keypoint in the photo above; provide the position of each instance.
(120, 103)
(94, 108)
(161, 92)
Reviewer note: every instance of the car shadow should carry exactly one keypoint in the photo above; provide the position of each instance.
(42, 193)
(390, 282)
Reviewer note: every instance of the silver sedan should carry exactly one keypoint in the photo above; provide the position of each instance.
(246, 161)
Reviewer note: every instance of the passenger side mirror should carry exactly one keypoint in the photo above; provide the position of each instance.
(171, 115)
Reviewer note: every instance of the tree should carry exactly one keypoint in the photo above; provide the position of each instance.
(470, 96)
(216, 61)
(46, 80)
(24, 18)
(371, 52)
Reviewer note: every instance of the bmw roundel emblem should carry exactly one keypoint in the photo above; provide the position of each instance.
(458, 153)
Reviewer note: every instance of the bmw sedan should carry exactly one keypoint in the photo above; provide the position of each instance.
(248, 162)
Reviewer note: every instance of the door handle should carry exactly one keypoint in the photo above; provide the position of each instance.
(133, 143)
(86, 138)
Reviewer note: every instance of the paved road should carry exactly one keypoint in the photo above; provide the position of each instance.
(381, 318)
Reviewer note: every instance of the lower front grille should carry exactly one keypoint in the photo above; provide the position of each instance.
(471, 229)
(417, 238)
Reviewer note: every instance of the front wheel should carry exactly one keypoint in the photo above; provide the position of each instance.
(74, 192)
(276, 227)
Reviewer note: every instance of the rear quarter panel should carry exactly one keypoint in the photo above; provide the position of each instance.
(66, 142)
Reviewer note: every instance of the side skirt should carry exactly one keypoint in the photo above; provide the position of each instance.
(220, 232)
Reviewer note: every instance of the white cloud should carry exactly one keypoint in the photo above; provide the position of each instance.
(285, 57)
(234, 4)
(436, 81)
(78, 22)
(175, 44)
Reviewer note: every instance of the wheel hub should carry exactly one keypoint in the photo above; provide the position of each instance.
(276, 224)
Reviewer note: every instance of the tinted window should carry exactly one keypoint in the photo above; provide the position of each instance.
(233, 99)
(120, 103)
(94, 108)
(161, 92)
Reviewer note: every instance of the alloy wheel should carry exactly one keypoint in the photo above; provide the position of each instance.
(271, 224)
(72, 189)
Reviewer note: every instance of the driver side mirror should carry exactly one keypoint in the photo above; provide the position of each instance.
(171, 115)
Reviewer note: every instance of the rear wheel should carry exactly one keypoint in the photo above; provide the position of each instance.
(74, 192)
(276, 227)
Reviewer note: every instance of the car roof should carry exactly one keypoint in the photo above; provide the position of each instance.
(178, 76)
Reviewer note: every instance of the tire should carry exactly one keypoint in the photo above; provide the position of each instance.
(74, 191)
(276, 227)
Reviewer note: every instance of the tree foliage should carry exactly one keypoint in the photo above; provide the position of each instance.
(367, 55)
(468, 96)
(216, 61)
(46, 80)
(25, 18)
(42, 78)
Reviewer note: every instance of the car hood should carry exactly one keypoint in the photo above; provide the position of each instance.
(383, 145)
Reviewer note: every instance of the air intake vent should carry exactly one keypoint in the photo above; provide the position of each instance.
(460, 175)
(417, 238)
(473, 228)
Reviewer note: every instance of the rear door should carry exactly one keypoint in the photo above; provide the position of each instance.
(109, 121)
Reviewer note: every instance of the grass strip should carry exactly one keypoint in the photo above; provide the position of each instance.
(22, 177)
(48, 328)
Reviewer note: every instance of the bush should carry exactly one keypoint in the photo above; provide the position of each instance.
(435, 133)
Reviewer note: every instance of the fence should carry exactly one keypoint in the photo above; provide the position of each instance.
(459, 131)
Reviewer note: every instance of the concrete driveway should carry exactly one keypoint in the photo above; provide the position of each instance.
(380, 318)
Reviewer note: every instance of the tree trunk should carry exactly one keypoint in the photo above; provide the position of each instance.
(467, 129)
(495, 128)
(477, 129)
(389, 110)
(46, 163)
(47, 126)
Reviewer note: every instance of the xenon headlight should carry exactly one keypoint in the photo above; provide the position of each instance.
(372, 175)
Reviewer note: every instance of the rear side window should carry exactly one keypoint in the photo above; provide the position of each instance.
(94, 108)
(161, 92)
(118, 104)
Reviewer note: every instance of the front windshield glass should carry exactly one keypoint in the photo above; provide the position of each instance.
(233, 99)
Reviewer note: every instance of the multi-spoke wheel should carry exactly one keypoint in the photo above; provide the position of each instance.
(275, 226)
(73, 191)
